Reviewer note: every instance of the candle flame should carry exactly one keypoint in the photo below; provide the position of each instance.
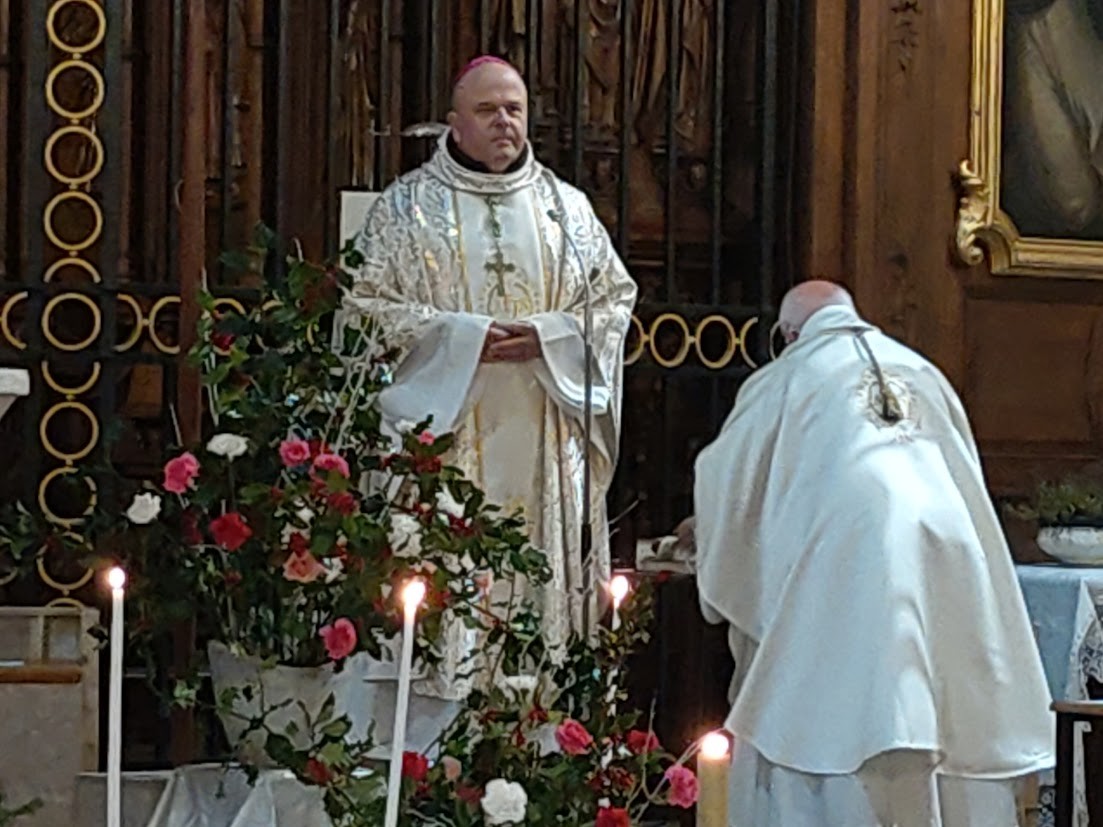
(619, 587)
(116, 578)
(715, 746)
(413, 593)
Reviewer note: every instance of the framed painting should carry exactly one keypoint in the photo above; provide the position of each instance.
(1032, 186)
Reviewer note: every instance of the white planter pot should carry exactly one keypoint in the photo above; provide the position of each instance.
(1078, 545)
(365, 690)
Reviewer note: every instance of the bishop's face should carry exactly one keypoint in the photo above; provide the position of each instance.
(489, 116)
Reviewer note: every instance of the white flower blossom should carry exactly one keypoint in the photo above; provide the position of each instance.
(504, 802)
(230, 446)
(144, 509)
(405, 536)
(447, 503)
(404, 426)
(545, 739)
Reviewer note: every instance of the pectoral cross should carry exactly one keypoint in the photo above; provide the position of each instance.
(498, 266)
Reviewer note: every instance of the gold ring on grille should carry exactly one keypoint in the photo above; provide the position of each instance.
(66, 391)
(734, 341)
(53, 450)
(51, 337)
(72, 261)
(43, 486)
(75, 115)
(139, 322)
(5, 325)
(683, 350)
(48, 221)
(91, 137)
(79, 48)
(151, 324)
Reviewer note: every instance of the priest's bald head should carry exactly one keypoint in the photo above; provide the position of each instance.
(489, 117)
(804, 300)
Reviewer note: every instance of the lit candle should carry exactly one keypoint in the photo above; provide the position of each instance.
(412, 596)
(618, 587)
(116, 579)
(713, 765)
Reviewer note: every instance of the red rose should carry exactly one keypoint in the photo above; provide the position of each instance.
(468, 795)
(317, 772)
(222, 341)
(427, 465)
(230, 531)
(343, 503)
(233, 578)
(641, 742)
(180, 473)
(612, 817)
(297, 543)
(573, 738)
(415, 766)
(683, 786)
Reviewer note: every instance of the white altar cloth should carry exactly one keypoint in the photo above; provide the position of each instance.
(212, 795)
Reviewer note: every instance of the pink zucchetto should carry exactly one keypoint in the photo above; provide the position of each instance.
(482, 60)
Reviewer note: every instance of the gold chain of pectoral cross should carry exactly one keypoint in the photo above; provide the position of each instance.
(498, 266)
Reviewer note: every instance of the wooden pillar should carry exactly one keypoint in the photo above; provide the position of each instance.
(192, 261)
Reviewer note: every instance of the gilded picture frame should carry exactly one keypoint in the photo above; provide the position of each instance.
(1032, 186)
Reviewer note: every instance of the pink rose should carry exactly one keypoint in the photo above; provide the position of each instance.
(294, 452)
(452, 767)
(573, 738)
(302, 567)
(683, 786)
(180, 473)
(340, 638)
(331, 462)
(426, 438)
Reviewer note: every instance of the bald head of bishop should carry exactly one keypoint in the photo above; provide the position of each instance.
(805, 299)
(489, 117)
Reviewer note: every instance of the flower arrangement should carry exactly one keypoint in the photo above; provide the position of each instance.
(286, 535)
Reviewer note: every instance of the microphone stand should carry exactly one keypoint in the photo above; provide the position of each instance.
(586, 538)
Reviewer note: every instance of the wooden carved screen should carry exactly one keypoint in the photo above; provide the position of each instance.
(676, 116)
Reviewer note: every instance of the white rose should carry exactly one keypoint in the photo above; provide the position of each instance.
(504, 802)
(405, 536)
(230, 446)
(144, 509)
(447, 503)
(545, 739)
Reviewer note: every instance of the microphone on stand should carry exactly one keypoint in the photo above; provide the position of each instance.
(587, 539)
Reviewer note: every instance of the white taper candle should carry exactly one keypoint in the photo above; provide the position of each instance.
(116, 579)
(412, 596)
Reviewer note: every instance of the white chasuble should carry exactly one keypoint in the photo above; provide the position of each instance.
(885, 660)
(448, 251)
